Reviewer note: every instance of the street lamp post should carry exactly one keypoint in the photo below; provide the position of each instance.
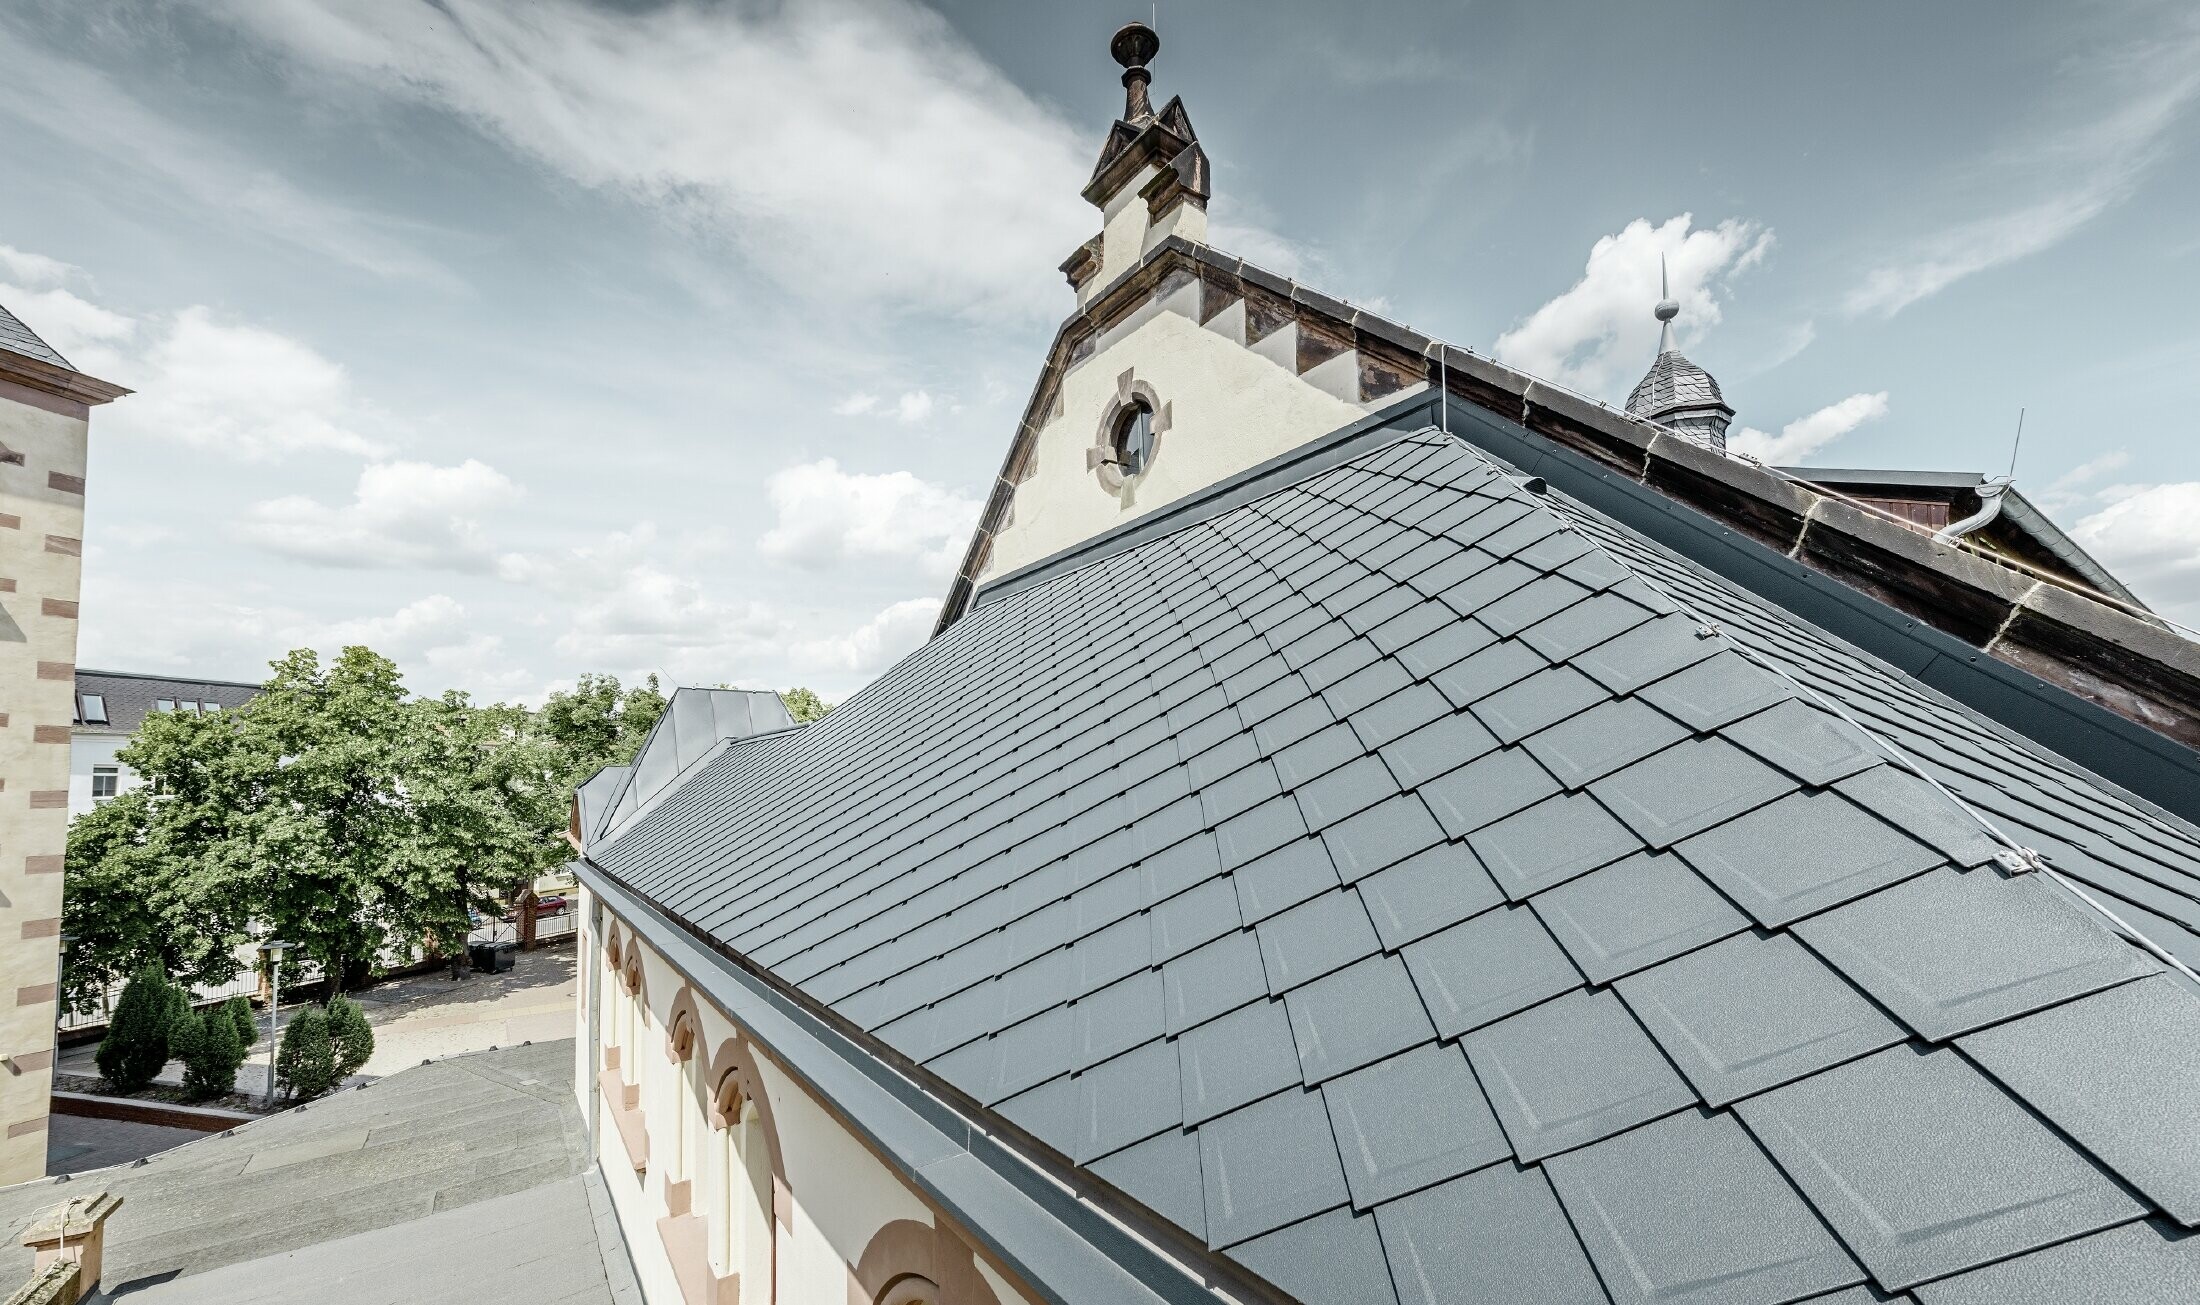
(273, 949)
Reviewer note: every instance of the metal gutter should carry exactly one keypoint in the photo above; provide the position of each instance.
(1027, 1213)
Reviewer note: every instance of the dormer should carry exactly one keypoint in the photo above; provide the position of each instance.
(1151, 180)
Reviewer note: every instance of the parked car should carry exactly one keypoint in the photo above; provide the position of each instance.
(554, 904)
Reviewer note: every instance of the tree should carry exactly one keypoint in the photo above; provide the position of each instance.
(350, 1035)
(238, 1011)
(211, 1053)
(136, 1046)
(804, 705)
(597, 724)
(305, 1065)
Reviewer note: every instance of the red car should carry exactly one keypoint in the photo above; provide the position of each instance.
(551, 905)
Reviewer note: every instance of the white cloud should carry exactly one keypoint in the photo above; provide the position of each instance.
(856, 405)
(242, 390)
(33, 271)
(2051, 184)
(1800, 438)
(826, 516)
(81, 331)
(914, 406)
(2149, 537)
(1600, 333)
(402, 514)
(878, 643)
(857, 148)
(2070, 488)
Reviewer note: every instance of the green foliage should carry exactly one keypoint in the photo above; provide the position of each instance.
(804, 705)
(350, 1034)
(596, 724)
(238, 1011)
(136, 1046)
(305, 1064)
(210, 1050)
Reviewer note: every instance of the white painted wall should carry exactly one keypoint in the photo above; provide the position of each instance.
(1230, 407)
(86, 750)
(843, 1194)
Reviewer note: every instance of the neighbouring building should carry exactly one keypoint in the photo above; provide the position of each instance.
(1374, 827)
(109, 707)
(45, 418)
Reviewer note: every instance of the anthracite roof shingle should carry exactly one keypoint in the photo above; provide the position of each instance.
(1138, 853)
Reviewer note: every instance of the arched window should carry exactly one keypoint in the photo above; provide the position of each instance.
(1133, 438)
(910, 1290)
(741, 1222)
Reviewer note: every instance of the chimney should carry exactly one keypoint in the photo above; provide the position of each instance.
(1151, 180)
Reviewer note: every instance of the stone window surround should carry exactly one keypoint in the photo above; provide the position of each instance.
(625, 1097)
(911, 1263)
(1129, 390)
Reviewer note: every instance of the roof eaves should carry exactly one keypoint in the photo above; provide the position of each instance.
(1046, 1222)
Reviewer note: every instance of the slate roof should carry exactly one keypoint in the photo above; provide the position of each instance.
(1671, 385)
(17, 338)
(129, 696)
(1417, 888)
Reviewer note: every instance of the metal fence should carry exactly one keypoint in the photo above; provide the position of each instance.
(246, 984)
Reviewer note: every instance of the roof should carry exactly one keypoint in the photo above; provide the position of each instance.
(1410, 885)
(692, 726)
(1674, 384)
(2125, 662)
(2016, 509)
(367, 1196)
(130, 696)
(17, 338)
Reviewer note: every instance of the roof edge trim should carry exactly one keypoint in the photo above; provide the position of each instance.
(959, 1158)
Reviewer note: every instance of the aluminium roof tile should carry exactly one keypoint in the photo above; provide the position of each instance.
(1813, 745)
(1315, 937)
(1163, 1173)
(1688, 788)
(1535, 703)
(1212, 980)
(1317, 754)
(1330, 1259)
(1649, 652)
(1410, 1122)
(1602, 739)
(1193, 918)
(1486, 968)
(1549, 843)
(1688, 1209)
(1753, 1012)
(1442, 746)
(1496, 1234)
(1117, 1018)
(1804, 853)
(1568, 1072)
(1237, 1059)
(1425, 892)
(1635, 913)
(2146, 1263)
(1269, 1164)
(1952, 951)
(1487, 789)
(1349, 789)
(1480, 674)
(1356, 1016)
(1925, 1168)
(1127, 1099)
(1381, 836)
(2120, 1072)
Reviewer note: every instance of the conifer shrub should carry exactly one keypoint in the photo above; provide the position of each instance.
(351, 1035)
(238, 1011)
(136, 1046)
(208, 1047)
(305, 1064)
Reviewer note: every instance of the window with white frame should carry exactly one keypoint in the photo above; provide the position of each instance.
(106, 782)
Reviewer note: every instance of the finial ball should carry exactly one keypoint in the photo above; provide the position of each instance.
(1135, 45)
(1667, 310)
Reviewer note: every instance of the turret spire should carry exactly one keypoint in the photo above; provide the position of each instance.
(1676, 393)
(1134, 47)
(1668, 308)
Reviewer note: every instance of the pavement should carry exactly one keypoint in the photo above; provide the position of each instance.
(469, 1176)
(422, 1017)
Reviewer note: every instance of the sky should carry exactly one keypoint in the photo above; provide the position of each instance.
(519, 341)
